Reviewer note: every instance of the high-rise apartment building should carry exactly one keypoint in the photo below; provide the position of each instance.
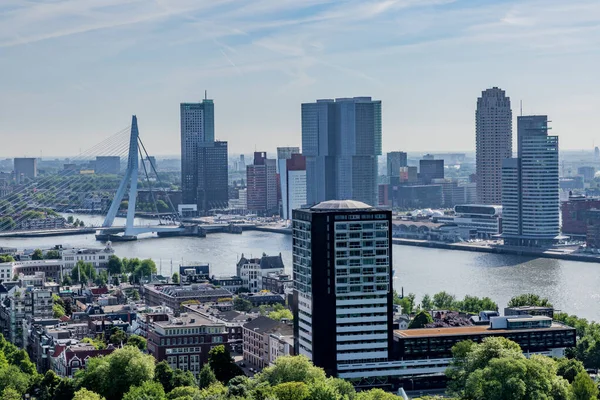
(431, 169)
(342, 295)
(25, 168)
(108, 165)
(395, 161)
(341, 140)
(493, 126)
(204, 162)
(530, 186)
(292, 175)
(261, 185)
(285, 153)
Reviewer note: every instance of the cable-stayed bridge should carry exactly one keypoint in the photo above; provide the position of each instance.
(97, 182)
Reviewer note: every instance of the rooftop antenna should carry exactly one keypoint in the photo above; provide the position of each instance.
(205, 95)
(521, 107)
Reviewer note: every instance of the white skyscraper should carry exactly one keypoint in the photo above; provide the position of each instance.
(493, 125)
(530, 187)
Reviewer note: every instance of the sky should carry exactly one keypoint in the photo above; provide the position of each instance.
(72, 72)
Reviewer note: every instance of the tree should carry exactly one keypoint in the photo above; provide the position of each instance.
(70, 219)
(444, 301)
(241, 304)
(117, 336)
(569, 368)
(52, 255)
(11, 394)
(115, 265)
(427, 303)
(420, 320)
(137, 341)
(279, 315)
(12, 377)
(163, 374)
(6, 258)
(84, 394)
(175, 278)
(584, 388)
(376, 394)
(291, 391)
(529, 299)
(473, 304)
(65, 389)
(37, 255)
(291, 369)
(407, 303)
(57, 311)
(148, 390)
(83, 272)
(222, 364)
(162, 206)
(183, 378)
(98, 344)
(184, 393)
(207, 377)
(7, 224)
(238, 386)
(112, 376)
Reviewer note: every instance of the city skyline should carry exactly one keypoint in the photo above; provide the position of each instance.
(103, 62)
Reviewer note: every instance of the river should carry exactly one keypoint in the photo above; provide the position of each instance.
(573, 287)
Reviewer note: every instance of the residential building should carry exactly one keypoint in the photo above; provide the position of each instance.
(204, 161)
(341, 140)
(252, 270)
(430, 170)
(173, 296)
(264, 341)
(292, 175)
(108, 165)
(277, 282)
(233, 320)
(530, 188)
(395, 161)
(343, 296)
(184, 341)
(574, 214)
(493, 127)
(98, 257)
(25, 168)
(20, 304)
(71, 358)
(261, 185)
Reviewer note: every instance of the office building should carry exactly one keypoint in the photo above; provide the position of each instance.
(266, 339)
(395, 161)
(575, 217)
(292, 175)
(587, 172)
(25, 168)
(261, 185)
(341, 140)
(493, 126)
(204, 161)
(342, 298)
(530, 187)
(430, 169)
(407, 175)
(417, 196)
(285, 153)
(108, 165)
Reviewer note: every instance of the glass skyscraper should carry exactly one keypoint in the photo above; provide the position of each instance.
(341, 140)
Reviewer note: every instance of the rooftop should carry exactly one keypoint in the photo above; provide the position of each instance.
(340, 205)
(468, 330)
(187, 320)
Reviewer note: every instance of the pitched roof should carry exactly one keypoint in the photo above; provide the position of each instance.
(262, 324)
(269, 262)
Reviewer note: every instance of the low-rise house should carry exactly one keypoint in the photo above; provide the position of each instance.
(67, 360)
(266, 339)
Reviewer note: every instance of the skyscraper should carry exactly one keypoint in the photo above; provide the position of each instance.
(293, 184)
(342, 298)
(261, 185)
(395, 160)
(25, 168)
(341, 140)
(204, 164)
(493, 126)
(530, 186)
(431, 169)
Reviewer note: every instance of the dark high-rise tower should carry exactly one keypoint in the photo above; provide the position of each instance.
(493, 126)
(203, 161)
(341, 140)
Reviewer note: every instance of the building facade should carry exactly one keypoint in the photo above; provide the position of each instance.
(25, 168)
(252, 270)
(264, 341)
(575, 216)
(261, 185)
(204, 162)
(342, 298)
(341, 140)
(292, 176)
(108, 165)
(430, 170)
(395, 161)
(530, 186)
(493, 136)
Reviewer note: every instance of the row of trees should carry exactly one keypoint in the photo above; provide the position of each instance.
(444, 301)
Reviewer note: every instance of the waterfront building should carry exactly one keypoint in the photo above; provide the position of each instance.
(493, 127)
(241, 202)
(592, 239)
(430, 170)
(184, 341)
(292, 178)
(484, 219)
(252, 270)
(265, 340)
(575, 215)
(110, 165)
(25, 168)
(530, 188)
(261, 185)
(452, 192)
(341, 140)
(395, 161)
(342, 298)
(97, 257)
(204, 162)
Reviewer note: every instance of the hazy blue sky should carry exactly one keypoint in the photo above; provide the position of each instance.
(73, 71)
